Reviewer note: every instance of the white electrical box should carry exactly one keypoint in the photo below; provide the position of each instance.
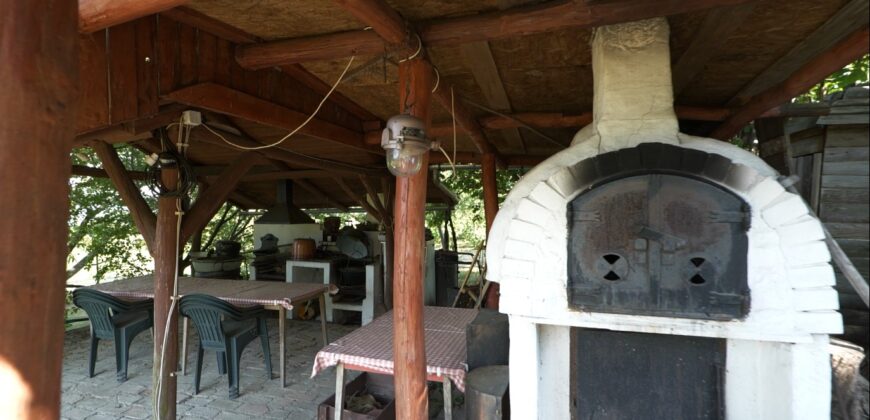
(191, 118)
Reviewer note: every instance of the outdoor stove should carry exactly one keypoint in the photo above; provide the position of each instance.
(674, 275)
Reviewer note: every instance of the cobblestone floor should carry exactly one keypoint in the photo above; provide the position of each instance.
(102, 397)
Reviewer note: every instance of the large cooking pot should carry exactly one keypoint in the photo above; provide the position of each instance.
(227, 249)
(303, 249)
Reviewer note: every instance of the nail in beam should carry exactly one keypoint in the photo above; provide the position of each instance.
(415, 84)
(39, 75)
(166, 253)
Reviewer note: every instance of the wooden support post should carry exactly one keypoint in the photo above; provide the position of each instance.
(844, 52)
(165, 256)
(39, 75)
(409, 350)
(490, 208)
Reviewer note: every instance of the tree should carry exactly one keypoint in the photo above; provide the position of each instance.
(467, 215)
(853, 74)
(101, 232)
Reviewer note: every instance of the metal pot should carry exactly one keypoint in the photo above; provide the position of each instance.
(303, 249)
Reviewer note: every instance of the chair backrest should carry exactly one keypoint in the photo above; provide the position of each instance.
(100, 307)
(207, 312)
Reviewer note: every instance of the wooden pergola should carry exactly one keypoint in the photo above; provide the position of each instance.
(514, 74)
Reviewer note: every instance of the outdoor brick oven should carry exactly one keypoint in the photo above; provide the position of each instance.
(652, 274)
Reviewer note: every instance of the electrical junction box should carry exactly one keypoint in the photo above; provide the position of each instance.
(191, 118)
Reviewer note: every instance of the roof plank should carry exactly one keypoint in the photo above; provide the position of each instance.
(850, 18)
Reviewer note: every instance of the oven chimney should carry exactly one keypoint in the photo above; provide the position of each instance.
(634, 101)
(284, 212)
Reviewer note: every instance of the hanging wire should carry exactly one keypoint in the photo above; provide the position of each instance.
(296, 130)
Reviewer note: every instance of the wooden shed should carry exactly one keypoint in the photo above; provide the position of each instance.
(828, 155)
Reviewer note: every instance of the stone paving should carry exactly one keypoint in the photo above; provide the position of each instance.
(102, 397)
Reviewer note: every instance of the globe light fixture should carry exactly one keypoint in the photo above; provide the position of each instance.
(404, 141)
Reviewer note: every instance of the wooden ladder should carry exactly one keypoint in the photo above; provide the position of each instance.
(484, 284)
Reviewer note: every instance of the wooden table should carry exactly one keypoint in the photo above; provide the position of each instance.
(278, 296)
(370, 349)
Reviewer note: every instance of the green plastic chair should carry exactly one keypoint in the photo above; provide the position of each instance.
(114, 319)
(226, 329)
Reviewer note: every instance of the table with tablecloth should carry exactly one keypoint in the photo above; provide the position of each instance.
(279, 296)
(370, 348)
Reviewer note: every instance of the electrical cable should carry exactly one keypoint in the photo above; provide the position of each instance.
(521, 123)
(304, 123)
(416, 53)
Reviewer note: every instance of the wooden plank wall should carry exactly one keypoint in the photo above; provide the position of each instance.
(125, 70)
(844, 208)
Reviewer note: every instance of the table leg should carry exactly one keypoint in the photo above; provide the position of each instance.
(322, 301)
(448, 399)
(184, 345)
(339, 390)
(282, 320)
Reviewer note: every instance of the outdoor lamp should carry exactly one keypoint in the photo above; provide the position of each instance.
(404, 141)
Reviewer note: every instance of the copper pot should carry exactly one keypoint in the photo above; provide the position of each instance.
(303, 249)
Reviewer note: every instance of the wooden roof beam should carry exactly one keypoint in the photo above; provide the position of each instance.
(359, 199)
(851, 17)
(209, 201)
(390, 26)
(101, 14)
(309, 186)
(844, 52)
(288, 156)
(560, 120)
(513, 22)
(230, 33)
(227, 101)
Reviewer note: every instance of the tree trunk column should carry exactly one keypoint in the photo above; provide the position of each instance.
(490, 209)
(39, 75)
(415, 82)
(166, 253)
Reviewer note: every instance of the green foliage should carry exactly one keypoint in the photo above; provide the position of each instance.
(468, 215)
(102, 235)
(853, 74)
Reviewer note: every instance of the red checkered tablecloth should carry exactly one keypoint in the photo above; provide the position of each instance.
(237, 292)
(370, 348)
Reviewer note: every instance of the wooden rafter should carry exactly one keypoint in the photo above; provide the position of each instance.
(286, 155)
(846, 21)
(375, 198)
(844, 52)
(309, 186)
(715, 29)
(143, 216)
(359, 199)
(131, 131)
(479, 57)
(509, 23)
(210, 200)
(313, 189)
(227, 101)
(101, 14)
(390, 26)
(80, 170)
(230, 33)
(560, 120)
